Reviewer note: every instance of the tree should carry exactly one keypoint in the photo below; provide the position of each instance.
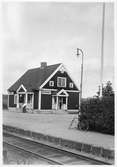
(106, 90)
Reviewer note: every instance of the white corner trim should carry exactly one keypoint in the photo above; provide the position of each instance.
(33, 101)
(26, 98)
(39, 100)
(51, 76)
(22, 87)
(15, 99)
(79, 102)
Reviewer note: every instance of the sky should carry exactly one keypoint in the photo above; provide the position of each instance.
(52, 31)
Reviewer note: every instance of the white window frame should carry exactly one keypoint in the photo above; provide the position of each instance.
(71, 85)
(58, 82)
(51, 83)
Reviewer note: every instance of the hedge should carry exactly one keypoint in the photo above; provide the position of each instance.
(99, 113)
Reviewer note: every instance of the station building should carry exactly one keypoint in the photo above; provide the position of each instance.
(45, 88)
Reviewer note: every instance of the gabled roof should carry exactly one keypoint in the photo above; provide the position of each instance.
(34, 78)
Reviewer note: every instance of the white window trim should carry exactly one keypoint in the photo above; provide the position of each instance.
(65, 82)
(71, 85)
(51, 83)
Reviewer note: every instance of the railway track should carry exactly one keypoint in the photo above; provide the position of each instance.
(51, 155)
(49, 160)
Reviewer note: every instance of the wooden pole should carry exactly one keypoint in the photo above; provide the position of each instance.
(102, 49)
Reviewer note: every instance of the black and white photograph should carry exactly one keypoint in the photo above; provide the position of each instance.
(58, 93)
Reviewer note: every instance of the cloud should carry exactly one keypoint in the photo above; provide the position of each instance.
(35, 32)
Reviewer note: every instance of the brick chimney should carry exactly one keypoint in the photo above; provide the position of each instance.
(43, 65)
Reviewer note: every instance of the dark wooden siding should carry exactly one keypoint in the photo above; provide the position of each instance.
(54, 78)
(11, 101)
(5, 101)
(46, 101)
(36, 99)
(73, 100)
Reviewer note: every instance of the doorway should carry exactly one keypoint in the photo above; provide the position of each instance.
(62, 103)
(22, 99)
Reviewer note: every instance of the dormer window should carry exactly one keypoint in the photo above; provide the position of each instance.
(71, 84)
(51, 83)
(61, 82)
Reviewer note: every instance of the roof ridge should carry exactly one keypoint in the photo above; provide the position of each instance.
(46, 66)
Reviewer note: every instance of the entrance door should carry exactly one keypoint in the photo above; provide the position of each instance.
(62, 103)
(21, 100)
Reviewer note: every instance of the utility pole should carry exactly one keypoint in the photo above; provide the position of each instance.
(102, 49)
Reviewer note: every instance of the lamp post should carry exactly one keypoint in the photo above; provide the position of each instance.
(80, 52)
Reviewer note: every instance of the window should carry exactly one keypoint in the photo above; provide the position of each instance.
(61, 82)
(15, 99)
(71, 85)
(51, 83)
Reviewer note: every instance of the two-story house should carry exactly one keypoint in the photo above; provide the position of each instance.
(45, 88)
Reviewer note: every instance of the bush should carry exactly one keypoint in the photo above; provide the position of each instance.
(99, 113)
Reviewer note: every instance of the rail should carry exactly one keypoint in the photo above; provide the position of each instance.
(62, 150)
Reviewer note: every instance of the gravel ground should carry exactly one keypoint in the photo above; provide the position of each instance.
(56, 125)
